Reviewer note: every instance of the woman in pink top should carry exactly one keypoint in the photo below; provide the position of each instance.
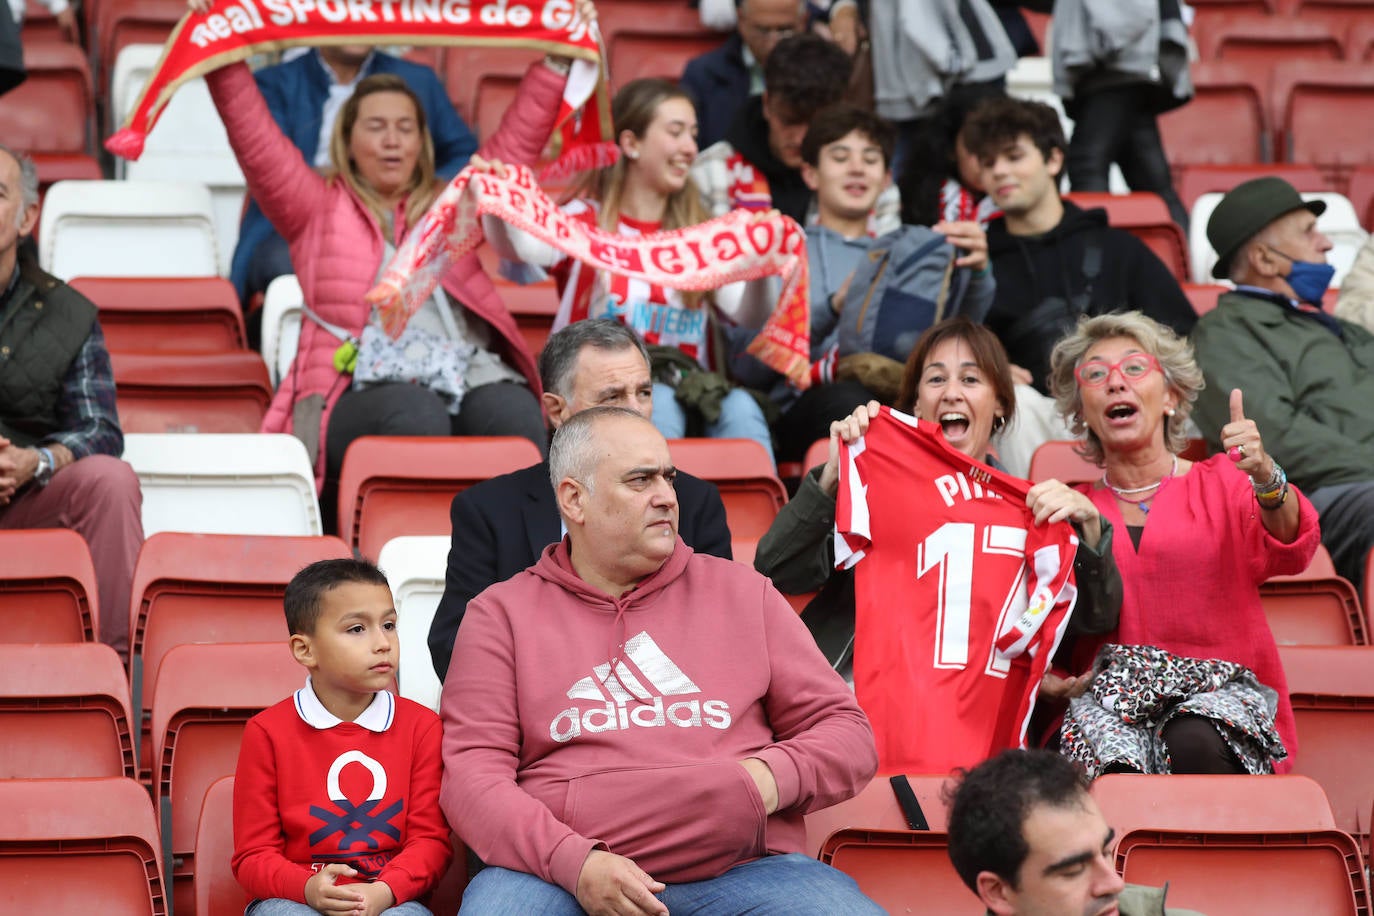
(343, 227)
(1202, 537)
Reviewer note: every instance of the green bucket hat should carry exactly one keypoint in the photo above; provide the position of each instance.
(1245, 210)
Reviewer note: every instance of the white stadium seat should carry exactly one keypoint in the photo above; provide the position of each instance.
(281, 325)
(415, 568)
(251, 483)
(128, 229)
(188, 144)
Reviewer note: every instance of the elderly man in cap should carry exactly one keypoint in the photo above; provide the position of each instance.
(1307, 377)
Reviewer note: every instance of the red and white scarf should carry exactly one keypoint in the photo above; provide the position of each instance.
(234, 30)
(736, 247)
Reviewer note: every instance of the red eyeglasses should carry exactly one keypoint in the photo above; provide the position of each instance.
(1133, 368)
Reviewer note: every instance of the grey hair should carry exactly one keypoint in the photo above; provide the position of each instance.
(571, 453)
(558, 359)
(28, 181)
(1175, 355)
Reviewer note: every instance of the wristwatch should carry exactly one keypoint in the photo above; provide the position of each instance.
(45, 469)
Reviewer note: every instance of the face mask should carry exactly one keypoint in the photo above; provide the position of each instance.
(1309, 279)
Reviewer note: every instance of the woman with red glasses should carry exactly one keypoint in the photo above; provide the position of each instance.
(1193, 664)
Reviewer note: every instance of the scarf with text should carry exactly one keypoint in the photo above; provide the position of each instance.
(736, 247)
(234, 30)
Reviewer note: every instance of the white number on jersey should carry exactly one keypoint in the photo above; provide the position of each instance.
(950, 550)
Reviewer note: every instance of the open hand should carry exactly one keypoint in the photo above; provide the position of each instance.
(967, 236)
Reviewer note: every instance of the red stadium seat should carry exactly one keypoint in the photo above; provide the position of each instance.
(1233, 93)
(902, 870)
(637, 55)
(1267, 39)
(40, 26)
(817, 454)
(1217, 7)
(1314, 612)
(395, 485)
(203, 697)
(1332, 691)
(211, 588)
(127, 22)
(467, 70)
(217, 893)
(743, 472)
(1359, 43)
(1059, 460)
(64, 712)
(1145, 216)
(1360, 190)
(534, 306)
(1203, 296)
(1197, 180)
(53, 110)
(166, 313)
(78, 846)
(1323, 107)
(47, 587)
(1340, 16)
(1233, 844)
(191, 392)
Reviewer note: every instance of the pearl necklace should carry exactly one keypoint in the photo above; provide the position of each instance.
(1123, 492)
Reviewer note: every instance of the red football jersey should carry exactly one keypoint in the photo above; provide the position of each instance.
(960, 601)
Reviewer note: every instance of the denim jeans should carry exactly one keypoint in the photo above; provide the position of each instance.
(276, 906)
(789, 885)
(1114, 125)
(741, 417)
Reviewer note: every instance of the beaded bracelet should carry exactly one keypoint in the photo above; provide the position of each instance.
(1272, 495)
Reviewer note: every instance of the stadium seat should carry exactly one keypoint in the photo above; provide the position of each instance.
(1267, 39)
(1320, 105)
(397, 485)
(217, 893)
(47, 587)
(1058, 459)
(211, 588)
(902, 870)
(1197, 180)
(201, 701)
(1339, 223)
(743, 472)
(1360, 190)
(1314, 612)
(635, 54)
(1230, 845)
(64, 712)
(1218, 7)
(1233, 93)
(225, 484)
(534, 306)
(1340, 16)
(1145, 216)
(415, 567)
(224, 392)
(128, 22)
(1332, 691)
(1359, 42)
(166, 229)
(52, 110)
(79, 846)
(166, 313)
(1203, 296)
(466, 72)
(40, 26)
(281, 325)
(189, 144)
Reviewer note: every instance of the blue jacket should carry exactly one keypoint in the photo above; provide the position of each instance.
(296, 92)
(718, 82)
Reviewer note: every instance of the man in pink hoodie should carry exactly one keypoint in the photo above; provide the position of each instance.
(632, 727)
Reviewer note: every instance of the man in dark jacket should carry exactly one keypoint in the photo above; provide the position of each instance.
(1053, 262)
(501, 525)
(60, 439)
(720, 81)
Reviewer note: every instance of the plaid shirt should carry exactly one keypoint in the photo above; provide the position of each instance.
(86, 414)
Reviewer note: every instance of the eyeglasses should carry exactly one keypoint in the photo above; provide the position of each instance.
(775, 32)
(1133, 368)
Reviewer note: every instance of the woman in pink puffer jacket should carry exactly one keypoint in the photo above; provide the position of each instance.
(342, 229)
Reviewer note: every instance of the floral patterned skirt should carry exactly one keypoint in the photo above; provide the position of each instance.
(1137, 690)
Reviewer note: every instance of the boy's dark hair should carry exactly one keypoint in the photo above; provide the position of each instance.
(991, 802)
(305, 592)
(803, 74)
(839, 121)
(929, 159)
(998, 122)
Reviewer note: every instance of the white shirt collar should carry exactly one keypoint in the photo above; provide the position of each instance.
(378, 716)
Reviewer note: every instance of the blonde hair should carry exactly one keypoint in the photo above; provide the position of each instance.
(1175, 355)
(421, 188)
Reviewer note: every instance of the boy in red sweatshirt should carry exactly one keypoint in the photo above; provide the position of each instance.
(336, 795)
(632, 727)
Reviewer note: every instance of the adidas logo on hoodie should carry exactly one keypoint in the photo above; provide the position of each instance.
(641, 688)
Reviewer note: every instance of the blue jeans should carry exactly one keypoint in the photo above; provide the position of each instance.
(794, 884)
(741, 417)
(276, 906)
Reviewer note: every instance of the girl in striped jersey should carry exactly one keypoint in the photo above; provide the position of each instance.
(649, 190)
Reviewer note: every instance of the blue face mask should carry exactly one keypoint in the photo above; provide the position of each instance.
(1309, 279)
